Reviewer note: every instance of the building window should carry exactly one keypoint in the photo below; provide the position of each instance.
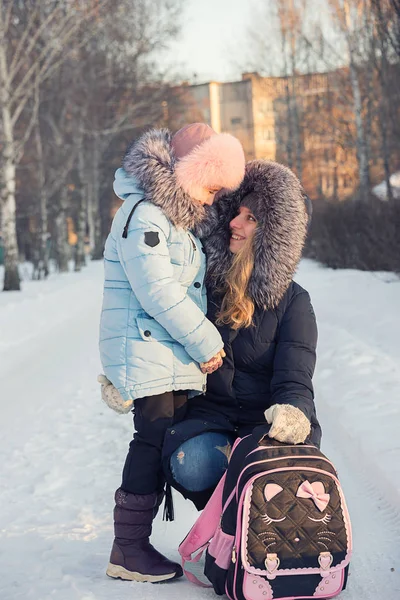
(266, 107)
(236, 121)
(267, 134)
(347, 182)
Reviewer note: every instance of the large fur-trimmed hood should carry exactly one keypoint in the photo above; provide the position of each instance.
(151, 161)
(278, 240)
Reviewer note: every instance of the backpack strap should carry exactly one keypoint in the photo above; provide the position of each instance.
(125, 231)
(198, 538)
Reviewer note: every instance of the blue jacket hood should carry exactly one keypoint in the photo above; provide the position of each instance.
(125, 185)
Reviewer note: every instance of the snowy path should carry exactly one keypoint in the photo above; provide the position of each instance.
(61, 451)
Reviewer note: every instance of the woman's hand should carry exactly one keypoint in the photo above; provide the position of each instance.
(213, 364)
(111, 396)
(289, 424)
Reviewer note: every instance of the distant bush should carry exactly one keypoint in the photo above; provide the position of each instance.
(356, 235)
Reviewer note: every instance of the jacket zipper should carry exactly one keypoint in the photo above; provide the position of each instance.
(193, 244)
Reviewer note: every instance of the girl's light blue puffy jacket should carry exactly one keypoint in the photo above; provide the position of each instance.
(153, 331)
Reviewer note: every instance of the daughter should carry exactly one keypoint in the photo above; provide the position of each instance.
(155, 342)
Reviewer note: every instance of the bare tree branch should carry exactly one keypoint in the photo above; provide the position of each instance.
(7, 16)
(26, 49)
(20, 145)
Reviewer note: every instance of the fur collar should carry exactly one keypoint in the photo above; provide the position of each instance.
(278, 241)
(151, 161)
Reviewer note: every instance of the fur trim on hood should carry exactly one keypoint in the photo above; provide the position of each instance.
(151, 161)
(278, 240)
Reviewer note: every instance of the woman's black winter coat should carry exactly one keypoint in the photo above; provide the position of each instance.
(271, 362)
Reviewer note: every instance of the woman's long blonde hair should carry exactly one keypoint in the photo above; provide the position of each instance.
(237, 308)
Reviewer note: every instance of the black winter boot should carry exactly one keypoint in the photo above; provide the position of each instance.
(132, 555)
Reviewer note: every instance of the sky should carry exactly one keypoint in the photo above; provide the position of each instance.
(221, 39)
(211, 32)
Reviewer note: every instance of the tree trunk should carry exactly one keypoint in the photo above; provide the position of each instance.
(80, 231)
(9, 228)
(384, 127)
(362, 148)
(335, 182)
(384, 108)
(293, 20)
(11, 274)
(97, 251)
(62, 247)
(81, 224)
(90, 210)
(361, 142)
(386, 157)
(296, 124)
(289, 138)
(43, 267)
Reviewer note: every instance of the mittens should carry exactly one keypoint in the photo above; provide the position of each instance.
(289, 424)
(111, 396)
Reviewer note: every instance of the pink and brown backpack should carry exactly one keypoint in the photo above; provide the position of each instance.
(276, 527)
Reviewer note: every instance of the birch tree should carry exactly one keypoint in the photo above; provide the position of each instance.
(350, 17)
(35, 38)
(121, 90)
(290, 14)
(387, 13)
(381, 12)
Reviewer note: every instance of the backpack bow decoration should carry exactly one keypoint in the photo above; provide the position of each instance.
(316, 492)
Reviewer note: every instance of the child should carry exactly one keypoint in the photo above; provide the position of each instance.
(154, 335)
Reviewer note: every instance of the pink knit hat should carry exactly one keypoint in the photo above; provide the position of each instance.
(207, 160)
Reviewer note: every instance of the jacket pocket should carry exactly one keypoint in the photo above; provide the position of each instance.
(151, 331)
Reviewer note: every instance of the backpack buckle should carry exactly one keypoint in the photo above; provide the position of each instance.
(325, 560)
(272, 563)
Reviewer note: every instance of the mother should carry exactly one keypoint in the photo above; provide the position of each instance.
(268, 327)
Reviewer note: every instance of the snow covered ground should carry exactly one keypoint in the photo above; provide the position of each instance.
(62, 450)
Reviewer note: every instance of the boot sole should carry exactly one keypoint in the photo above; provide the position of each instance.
(118, 572)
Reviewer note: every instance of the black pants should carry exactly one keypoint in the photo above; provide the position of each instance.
(153, 415)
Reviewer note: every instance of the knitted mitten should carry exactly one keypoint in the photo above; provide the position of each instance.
(111, 396)
(289, 424)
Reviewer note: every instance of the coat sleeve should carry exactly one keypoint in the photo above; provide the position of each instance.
(295, 356)
(147, 263)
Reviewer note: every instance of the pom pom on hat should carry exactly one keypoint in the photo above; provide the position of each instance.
(207, 160)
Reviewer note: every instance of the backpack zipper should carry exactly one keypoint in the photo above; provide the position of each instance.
(265, 460)
(240, 525)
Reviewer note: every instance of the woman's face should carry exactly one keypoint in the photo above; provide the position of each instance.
(242, 228)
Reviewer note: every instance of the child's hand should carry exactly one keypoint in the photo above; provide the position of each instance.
(213, 364)
(111, 396)
(289, 424)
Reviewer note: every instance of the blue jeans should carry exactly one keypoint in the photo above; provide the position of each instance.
(199, 463)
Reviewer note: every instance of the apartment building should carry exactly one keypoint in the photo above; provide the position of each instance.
(293, 121)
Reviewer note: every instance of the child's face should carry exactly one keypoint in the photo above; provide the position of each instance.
(208, 196)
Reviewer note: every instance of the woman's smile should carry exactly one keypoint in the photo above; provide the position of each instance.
(242, 227)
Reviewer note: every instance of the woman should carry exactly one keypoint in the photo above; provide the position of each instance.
(268, 327)
(155, 341)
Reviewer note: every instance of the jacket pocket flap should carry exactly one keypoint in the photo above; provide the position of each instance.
(151, 331)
